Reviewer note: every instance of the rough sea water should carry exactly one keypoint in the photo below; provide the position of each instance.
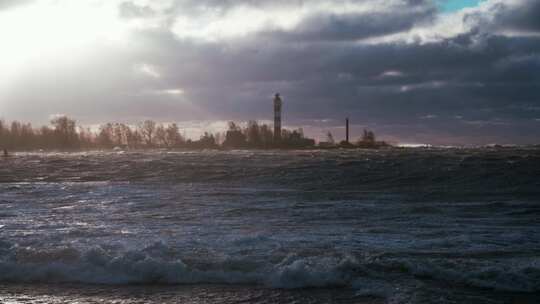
(390, 226)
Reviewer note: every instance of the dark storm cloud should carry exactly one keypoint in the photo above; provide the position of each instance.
(457, 64)
(323, 26)
(481, 85)
(480, 76)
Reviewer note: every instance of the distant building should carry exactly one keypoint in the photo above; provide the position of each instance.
(277, 117)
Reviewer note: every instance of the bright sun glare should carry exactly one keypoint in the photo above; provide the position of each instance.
(50, 31)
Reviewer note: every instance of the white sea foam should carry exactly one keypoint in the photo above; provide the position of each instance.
(154, 264)
(99, 266)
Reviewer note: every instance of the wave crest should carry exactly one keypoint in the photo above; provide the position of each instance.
(158, 264)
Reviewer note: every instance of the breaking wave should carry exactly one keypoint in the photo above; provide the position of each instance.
(157, 265)
(154, 265)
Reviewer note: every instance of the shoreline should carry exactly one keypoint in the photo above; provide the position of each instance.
(174, 293)
(386, 148)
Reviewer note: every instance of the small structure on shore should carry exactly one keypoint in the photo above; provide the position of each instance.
(346, 143)
(347, 130)
(368, 141)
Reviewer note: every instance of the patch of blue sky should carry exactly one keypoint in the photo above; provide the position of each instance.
(448, 6)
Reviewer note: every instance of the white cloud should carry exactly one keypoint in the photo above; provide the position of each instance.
(215, 24)
(167, 92)
(390, 74)
(429, 116)
(218, 23)
(173, 92)
(147, 70)
(452, 24)
(425, 85)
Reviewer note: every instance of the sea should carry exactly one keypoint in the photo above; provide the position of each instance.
(398, 225)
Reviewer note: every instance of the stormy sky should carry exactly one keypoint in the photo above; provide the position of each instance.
(414, 71)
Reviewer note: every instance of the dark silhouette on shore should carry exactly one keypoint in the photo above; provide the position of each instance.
(64, 134)
(347, 130)
(278, 103)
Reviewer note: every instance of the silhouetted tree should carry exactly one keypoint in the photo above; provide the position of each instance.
(234, 137)
(207, 141)
(86, 138)
(120, 133)
(147, 130)
(330, 138)
(47, 138)
(295, 139)
(253, 134)
(369, 141)
(4, 134)
(160, 137)
(266, 136)
(14, 132)
(133, 138)
(27, 136)
(368, 136)
(105, 138)
(219, 138)
(173, 136)
(65, 132)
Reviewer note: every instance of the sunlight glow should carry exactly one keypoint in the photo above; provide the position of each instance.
(50, 31)
(148, 70)
(213, 25)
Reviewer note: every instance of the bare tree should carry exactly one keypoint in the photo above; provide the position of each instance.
(161, 136)
(174, 138)
(105, 136)
(330, 138)
(234, 137)
(65, 130)
(133, 138)
(253, 134)
(120, 131)
(368, 136)
(147, 130)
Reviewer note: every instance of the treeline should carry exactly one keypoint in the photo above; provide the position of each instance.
(261, 137)
(367, 141)
(63, 133)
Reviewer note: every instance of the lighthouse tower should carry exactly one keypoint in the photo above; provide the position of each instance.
(277, 118)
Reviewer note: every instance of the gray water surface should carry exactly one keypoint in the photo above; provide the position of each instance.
(397, 226)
